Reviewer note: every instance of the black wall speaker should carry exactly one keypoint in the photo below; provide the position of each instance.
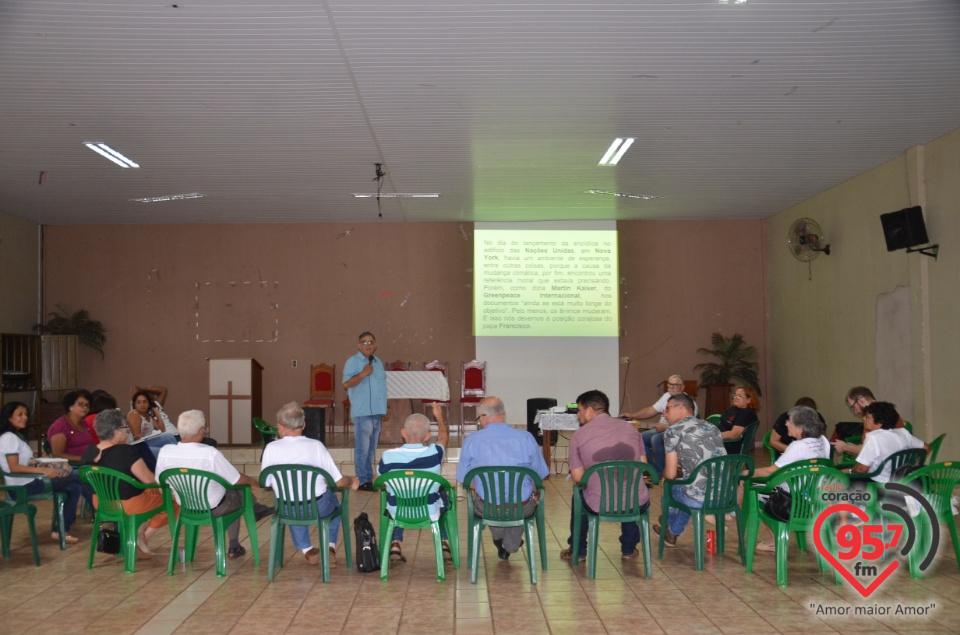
(904, 229)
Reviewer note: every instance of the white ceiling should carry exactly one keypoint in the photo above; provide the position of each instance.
(278, 110)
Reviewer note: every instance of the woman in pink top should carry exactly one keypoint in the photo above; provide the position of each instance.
(69, 435)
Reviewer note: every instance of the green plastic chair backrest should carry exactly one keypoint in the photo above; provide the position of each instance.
(723, 476)
(807, 482)
(106, 484)
(935, 448)
(296, 489)
(908, 426)
(502, 488)
(16, 504)
(620, 483)
(412, 489)
(913, 456)
(749, 433)
(937, 483)
(714, 419)
(191, 487)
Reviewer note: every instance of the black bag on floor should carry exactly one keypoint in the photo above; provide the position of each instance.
(368, 554)
(108, 541)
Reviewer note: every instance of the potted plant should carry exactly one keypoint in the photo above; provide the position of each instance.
(62, 322)
(736, 362)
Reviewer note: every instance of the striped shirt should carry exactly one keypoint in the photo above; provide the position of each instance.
(413, 456)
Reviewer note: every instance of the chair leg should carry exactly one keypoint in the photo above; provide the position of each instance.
(577, 523)
(449, 520)
(593, 537)
(698, 538)
(474, 539)
(387, 525)
(220, 546)
(128, 541)
(782, 547)
(174, 543)
(93, 540)
(276, 543)
(531, 550)
(644, 525)
(542, 535)
(325, 549)
(438, 550)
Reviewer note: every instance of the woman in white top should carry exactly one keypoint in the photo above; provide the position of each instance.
(882, 438)
(15, 456)
(807, 430)
(146, 423)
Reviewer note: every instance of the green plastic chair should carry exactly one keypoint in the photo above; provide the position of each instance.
(191, 488)
(508, 482)
(935, 448)
(412, 488)
(746, 439)
(724, 474)
(714, 419)
(807, 481)
(936, 482)
(908, 426)
(295, 487)
(620, 483)
(914, 456)
(267, 432)
(9, 507)
(106, 484)
(59, 501)
(774, 453)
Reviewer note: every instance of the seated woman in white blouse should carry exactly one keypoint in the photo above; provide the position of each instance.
(806, 428)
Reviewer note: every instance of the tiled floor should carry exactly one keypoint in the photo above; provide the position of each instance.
(62, 595)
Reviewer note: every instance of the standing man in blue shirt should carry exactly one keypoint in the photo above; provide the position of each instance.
(496, 442)
(366, 384)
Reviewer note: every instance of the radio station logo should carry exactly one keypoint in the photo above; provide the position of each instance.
(857, 549)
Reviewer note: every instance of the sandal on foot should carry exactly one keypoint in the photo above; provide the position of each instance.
(447, 554)
(766, 547)
(236, 552)
(396, 554)
(70, 540)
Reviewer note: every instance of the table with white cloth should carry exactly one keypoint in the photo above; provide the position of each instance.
(403, 386)
(548, 420)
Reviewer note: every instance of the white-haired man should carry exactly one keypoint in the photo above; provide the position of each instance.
(417, 453)
(191, 453)
(294, 448)
(653, 438)
(499, 443)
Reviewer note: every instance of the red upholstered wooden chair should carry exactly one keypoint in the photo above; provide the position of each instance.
(440, 367)
(399, 365)
(473, 387)
(322, 377)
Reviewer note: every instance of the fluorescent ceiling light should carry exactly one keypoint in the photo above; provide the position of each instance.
(616, 151)
(731, 1)
(170, 197)
(109, 153)
(645, 197)
(396, 195)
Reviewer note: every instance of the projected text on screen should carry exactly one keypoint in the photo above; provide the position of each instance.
(545, 283)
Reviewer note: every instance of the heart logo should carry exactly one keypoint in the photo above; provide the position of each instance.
(865, 591)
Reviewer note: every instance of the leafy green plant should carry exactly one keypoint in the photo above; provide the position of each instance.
(736, 362)
(62, 322)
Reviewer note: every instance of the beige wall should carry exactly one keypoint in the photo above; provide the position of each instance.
(321, 286)
(409, 283)
(823, 319)
(18, 274)
(680, 282)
